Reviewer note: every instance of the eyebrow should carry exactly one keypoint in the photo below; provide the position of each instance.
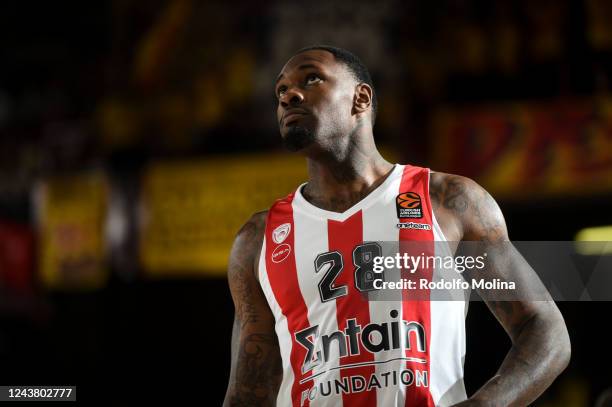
(301, 67)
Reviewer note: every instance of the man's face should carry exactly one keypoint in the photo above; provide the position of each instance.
(315, 99)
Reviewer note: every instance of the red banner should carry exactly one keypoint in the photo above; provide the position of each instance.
(527, 149)
(16, 257)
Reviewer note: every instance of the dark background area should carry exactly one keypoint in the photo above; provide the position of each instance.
(115, 86)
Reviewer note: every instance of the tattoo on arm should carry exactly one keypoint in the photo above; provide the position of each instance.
(540, 344)
(510, 314)
(256, 362)
(259, 371)
(241, 272)
(246, 312)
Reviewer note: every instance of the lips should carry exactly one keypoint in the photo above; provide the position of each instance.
(292, 115)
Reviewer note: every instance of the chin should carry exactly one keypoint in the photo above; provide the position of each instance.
(297, 138)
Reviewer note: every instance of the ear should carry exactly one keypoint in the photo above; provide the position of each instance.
(362, 100)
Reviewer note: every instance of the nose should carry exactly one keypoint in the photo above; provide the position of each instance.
(291, 97)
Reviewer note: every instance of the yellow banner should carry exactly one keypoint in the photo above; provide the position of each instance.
(71, 214)
(191, 211)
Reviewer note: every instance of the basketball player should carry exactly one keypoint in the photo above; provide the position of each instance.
(303, 333)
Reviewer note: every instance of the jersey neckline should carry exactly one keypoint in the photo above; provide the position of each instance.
(302, 204)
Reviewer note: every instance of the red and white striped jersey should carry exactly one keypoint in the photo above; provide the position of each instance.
(338, 347)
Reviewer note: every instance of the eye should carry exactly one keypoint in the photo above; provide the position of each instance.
(312, 78)
(281, 91)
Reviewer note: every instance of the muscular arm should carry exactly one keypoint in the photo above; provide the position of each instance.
(255, 365)
(540, 342)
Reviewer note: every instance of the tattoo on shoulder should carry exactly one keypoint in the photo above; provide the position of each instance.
(455, 197)
(449, 191)
(470, 203)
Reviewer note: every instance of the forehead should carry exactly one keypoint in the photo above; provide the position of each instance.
(314, 58)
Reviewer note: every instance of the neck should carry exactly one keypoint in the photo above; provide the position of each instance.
(337, 181)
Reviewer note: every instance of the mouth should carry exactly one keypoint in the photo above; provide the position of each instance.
(292, 117)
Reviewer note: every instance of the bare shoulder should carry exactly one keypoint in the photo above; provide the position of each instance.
(466, 208)
(254, 227)
(247, 245)
(453, 192)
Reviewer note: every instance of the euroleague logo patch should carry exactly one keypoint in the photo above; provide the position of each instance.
(281, 253)
(409, 205)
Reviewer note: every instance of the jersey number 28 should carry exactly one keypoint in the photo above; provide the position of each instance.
(363, 260)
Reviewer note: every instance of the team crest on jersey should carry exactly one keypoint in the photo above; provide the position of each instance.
(280, 233)
(409, 205)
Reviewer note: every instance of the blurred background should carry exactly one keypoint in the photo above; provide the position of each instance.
(136, 137)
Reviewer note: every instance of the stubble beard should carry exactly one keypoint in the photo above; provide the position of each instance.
(297, 138)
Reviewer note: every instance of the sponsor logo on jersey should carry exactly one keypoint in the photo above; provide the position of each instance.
(356, 383)
(413, 225)
(280, 233)
(396, 334)
(409, 205)
(281, 253)
(322, 350)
